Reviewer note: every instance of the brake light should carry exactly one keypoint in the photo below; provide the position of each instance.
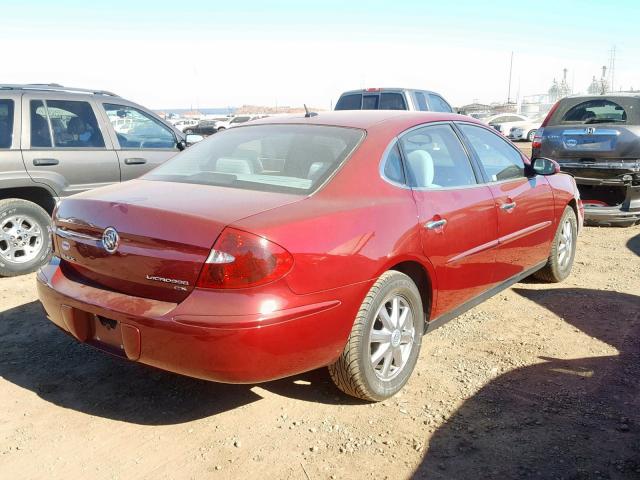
(537, 138)
(373, 90)
(241, 260)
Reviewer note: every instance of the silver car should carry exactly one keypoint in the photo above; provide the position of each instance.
(57, 141)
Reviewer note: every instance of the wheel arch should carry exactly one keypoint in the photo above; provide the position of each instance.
(424, 280)
(38, 195)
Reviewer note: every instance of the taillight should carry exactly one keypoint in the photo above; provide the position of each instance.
(241, 260)
(550, 114)
(537, 138)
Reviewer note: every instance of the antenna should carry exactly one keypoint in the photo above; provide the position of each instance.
(307, 113)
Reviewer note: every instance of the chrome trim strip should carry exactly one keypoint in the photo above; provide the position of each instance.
(597, 131)
(62, 232)
(525, 231)
(473, 251)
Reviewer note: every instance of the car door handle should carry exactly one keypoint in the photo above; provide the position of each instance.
(42, 162)
(435, 224)
(507, 207)
(135, 161)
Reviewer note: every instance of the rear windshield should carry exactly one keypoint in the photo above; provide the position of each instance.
(278, 158)
(599, 110)
(372, 101)
(350, 102)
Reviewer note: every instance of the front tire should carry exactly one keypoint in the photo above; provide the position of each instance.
(25, 241)
(384, 343)
(563, 250)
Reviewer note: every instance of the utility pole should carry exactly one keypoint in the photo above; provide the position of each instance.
(510, 71)
(612, 67)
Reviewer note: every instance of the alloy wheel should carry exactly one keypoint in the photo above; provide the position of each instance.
(565, 244)
(391, 337)
(21, 239)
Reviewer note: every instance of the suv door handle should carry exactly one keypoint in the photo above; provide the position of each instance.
(135, 161)
(507, 207)
(42, 162)
(435, 224)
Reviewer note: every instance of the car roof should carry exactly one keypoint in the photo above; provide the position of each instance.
(605, 96)
(54, 87)
(387, 89)
(366, 119)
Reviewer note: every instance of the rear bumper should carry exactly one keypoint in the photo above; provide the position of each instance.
(625, 214)
(177, 337)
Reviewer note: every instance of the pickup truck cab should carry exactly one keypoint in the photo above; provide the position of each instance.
(393, 99)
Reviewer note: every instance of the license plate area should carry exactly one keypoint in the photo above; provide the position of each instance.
(107, 334)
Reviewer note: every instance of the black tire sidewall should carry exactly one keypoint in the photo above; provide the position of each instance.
(34, 211)
(403, 286)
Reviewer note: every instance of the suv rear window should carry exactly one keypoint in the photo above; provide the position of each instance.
(277, 158)
(596, 111)
(6, 123)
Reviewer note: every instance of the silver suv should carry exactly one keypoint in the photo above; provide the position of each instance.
(57, 141)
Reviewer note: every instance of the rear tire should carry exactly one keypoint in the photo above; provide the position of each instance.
(220, 129)
(531, 135)
(188, 131)
(563, 250)
(25, 239)
(384, 343)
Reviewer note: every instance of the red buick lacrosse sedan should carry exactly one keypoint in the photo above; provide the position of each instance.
(290, 244)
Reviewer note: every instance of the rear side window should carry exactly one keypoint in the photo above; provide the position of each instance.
(278, 158)
(73, 124)
(350, 102)
(596, 111)
(393, 166)
(392, 101)
(6, 123)
(435, 158)
(499, 159)
(438, 104)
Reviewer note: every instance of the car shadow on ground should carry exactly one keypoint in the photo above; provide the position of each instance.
(37, 356)
(570, 419)
(634, 244)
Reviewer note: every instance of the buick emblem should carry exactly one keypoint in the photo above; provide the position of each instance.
(110, 240)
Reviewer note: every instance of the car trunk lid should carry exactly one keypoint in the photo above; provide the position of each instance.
(165, 229)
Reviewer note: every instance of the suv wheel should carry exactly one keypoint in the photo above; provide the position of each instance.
(563, 250)
(383, 347)
(25, 242)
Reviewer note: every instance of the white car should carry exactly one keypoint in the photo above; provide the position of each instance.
(504, 121)
(235, 121)
(525, 130)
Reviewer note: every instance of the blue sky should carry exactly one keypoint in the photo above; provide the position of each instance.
(197, 53)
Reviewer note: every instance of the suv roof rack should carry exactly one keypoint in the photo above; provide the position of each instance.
(54, 87)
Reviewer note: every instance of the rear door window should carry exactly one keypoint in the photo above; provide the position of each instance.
(392, 101)
(596, 111)
(499, 159)
(435, 158)
(6, 123)
(438, 104)
(350, 102)
(137, 130)
(73, 124)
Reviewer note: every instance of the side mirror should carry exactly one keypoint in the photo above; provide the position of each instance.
(193, 138)
(544, 166)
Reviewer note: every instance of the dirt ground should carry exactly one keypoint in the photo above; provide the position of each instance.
(541, 381)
